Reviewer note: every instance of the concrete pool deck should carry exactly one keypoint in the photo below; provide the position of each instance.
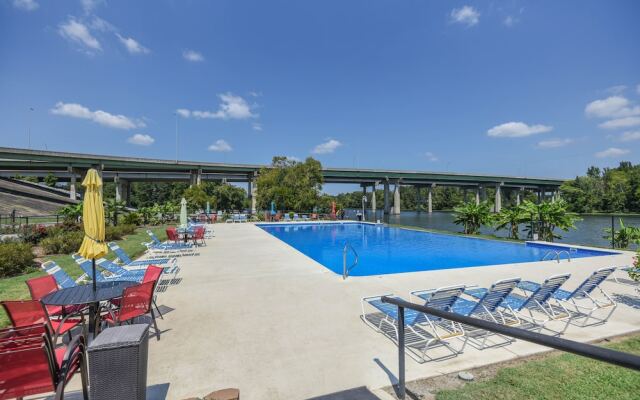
(252, 312)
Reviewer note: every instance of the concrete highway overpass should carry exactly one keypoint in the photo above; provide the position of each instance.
(70, 167)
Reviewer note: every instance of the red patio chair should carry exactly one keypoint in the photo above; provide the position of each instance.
(33, 368)
(24, 313)
(198, 234)
(42, 286)
(135, 302)
(151, 274)
(172, 234)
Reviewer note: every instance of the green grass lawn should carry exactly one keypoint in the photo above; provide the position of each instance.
(15, 288)
(562, 377)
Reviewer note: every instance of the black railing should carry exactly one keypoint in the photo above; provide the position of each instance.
(587, 350)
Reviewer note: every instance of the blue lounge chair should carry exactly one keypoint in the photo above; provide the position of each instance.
(62, 279)
(116, 270)
(174, 249)
(87, 268)
(169, 264)
(537, 308)
(488, 308)
(296, 217)
(583, 300)
(625, 281)
(287, 217)
(426, 331)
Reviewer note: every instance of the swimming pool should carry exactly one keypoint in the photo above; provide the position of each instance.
(389, 250)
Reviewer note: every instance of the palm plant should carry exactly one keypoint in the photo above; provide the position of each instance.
(71, 212)
(112, 208)
(623, 236)
(546, 216)
(472, 216)
(510, 218)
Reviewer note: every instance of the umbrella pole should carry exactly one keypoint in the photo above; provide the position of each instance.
(93, 269)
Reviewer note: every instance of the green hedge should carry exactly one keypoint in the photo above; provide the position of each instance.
(62, 242)
(15, 258)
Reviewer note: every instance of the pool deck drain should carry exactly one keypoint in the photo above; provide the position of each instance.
(253, 313)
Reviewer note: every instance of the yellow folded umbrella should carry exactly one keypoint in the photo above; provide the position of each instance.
(93, 245)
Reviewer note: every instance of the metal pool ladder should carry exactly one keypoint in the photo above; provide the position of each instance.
(345, 250)
(557, 254)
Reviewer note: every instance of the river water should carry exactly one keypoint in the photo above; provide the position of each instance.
(589, 230)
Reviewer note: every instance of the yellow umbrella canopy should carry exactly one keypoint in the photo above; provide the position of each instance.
(93, 245)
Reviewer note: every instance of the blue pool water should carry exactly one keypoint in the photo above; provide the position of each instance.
(388, 250)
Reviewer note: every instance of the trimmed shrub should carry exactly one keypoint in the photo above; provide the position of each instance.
(133, 218)
(34, 233)
(15, 258)
(62, 243)
(112, 233)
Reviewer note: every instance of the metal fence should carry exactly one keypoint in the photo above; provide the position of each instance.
(18, 220)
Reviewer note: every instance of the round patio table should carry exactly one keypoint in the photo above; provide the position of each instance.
(84, 294)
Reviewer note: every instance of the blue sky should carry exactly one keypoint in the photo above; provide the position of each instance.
(536, 88)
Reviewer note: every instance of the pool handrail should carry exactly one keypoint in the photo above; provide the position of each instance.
(345, 250)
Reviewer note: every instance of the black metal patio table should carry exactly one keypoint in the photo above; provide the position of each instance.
(85, 294)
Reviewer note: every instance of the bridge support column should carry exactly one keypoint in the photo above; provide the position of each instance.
(373, 200)
(478, 196)
(252, 192)
(72, 186)
(386, 198)
(396, 198)
(430, 199)
(518, 193)
(122, 189)
(498, 200)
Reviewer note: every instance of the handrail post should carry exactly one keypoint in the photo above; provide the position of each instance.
(401, 378)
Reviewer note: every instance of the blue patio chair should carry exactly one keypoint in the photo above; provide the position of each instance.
(62, 278)
(488, 308)
(583, 300)
(426, 331)
(623, 281)
(296, 217)
(169, 264)
(537, 308)
(287, 217)
(87, 268)
(122, 273)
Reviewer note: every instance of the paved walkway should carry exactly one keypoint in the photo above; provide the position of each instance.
(253, 313)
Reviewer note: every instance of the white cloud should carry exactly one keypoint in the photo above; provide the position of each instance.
(141, 139)
(510, 21)
(612, 152)
(220, 146)
(101, 25)
(75, 110)
(183, 112)
(78, 33)
(554, 143)
(132, 45)
(466, 15)
(620, 123)
(611, 107)
(327, 147)
(231, 107)
(26, 5)
(257, 126)
(89, 5)
(630, 136)
(192, 56)
(517, 129)
(431, 157)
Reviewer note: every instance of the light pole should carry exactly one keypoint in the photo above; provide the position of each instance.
(29, 127)
(176, 115)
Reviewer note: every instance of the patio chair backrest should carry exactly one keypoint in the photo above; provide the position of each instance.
(42, 286)
(547, 289)
(153, 237)
(172, 234)
(61, 277)
(25, 312)
(593, 281)
(121, 254)
(152, 274)
(443, 298)
(29, 370)
(136, 301)
(12, 333)
(495, 295)
(198, 233)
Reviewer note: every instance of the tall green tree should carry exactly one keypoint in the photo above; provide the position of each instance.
(546, 217)
(510, 218)
(293, 185)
